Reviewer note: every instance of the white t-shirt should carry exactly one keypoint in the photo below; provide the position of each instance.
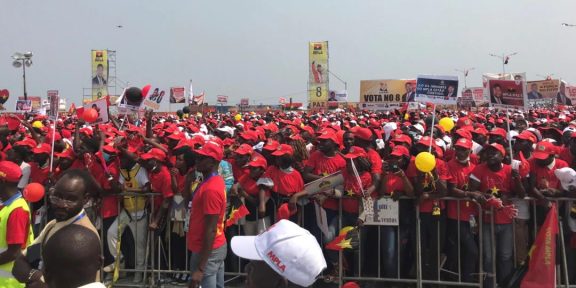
(25, 167)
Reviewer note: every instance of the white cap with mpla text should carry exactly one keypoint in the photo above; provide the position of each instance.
(287, 248)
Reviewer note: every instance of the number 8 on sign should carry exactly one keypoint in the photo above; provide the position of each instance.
(318, 91)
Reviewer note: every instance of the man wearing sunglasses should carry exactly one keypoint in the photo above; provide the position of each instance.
(67, 199)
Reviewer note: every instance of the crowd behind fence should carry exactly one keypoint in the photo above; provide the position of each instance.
(399, 254)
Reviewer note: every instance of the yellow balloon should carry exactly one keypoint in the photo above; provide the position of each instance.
(345, 230)
(38, 124)
(238, 117)
(425, 162)
(447, 123)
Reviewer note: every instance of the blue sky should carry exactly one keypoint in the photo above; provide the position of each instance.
(257, 49)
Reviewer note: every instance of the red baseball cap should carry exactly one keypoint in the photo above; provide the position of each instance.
(29, 142)
(498, 147)
(464, 143)
(69, 153)
(498, 132)
(355, 152)
(177, 135)
(283, 149)
(211, 149)
(244, 149)
(463, 121)
(271, 145)
(10, 172)
(249, 135)
(363, 133)
(257, 162)
(427, 141)
(464, 133)
(328, 134)
(87, 131)
(108, 149)
(154, 153)
(284, 212)
(184, 143)
(43, 148)
(543, 150)
(526, 135)
(480, 131)
(399, 151)
(351, 285)
(402, 138)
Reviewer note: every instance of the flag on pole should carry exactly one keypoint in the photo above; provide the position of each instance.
(237, 211)
(347, 239)
(198, 99)
(542, 266)
(191, 99)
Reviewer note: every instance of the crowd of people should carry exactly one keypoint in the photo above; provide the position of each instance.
(182, 176)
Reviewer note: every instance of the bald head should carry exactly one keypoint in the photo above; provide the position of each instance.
(72, 257)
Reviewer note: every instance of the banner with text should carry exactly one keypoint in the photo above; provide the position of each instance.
(99, 74)
(222, 99)
(338, 96)
(507, 94)
(387, 91)
(177, 95)
(318, 74)
(437, 89)
(571, 93)
(495, 76)
(53, 103)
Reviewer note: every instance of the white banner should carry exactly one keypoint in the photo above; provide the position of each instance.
(385, 213)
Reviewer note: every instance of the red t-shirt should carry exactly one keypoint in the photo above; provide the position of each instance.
(161, 182)
(545, 178)
(375, 160)
(109, 202)
(285, 183)
(459, 176)
(352, 190)
(17, 227)
(209, 199)
(494, 183)
(427, 206)
(567, 156)
(38, 174)
(324, 166)
(249, 185)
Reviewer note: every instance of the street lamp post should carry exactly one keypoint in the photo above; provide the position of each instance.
(339, 79)
(504, 58)
(568, 25)
(23, 60)
(465, 73)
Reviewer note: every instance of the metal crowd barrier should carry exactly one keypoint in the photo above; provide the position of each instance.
(159, 260)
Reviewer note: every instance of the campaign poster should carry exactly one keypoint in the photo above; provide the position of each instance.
(318, 74)
(544, 89)
(518, 77)
(4, 95)
(125, 104)
(154, 98)
(507, 93)
(222, 99)
(244, 102)
(387, 91)
(35, 102)
(23, 106)
(338, 96)
(570, 92)
(467, 99)
(99, 74)
(101, 106)
(54, 101)
(437, 89)
(177, 95)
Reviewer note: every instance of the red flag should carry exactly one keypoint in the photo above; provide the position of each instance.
(542, 266)
(236, 213)
(80, 112)
(339, 243)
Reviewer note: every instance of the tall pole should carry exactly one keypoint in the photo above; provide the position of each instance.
(24, 79)
(503, 66)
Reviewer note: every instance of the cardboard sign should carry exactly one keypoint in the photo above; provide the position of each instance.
(324, 184)
(101, 107)
(385, 213)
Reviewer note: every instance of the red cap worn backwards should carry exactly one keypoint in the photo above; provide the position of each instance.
(154, 153)
(543, 150)
(211, 149)
(283, 149)
(10, 172)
